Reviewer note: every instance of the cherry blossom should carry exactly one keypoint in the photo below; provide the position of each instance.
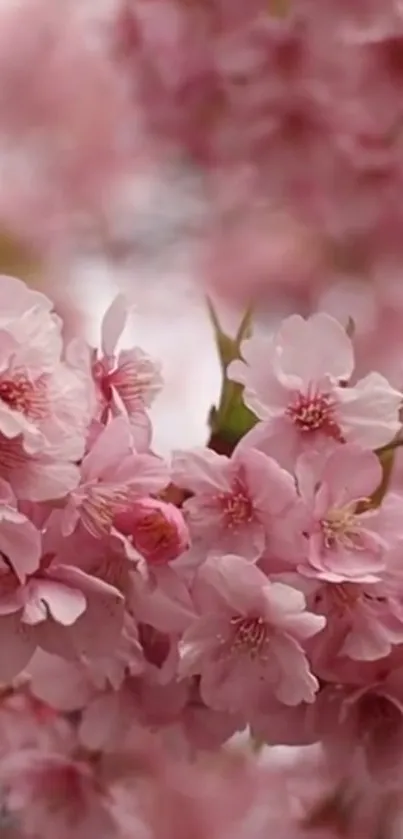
(112, 473)
(40, 394)
(36, 477)
(127, 381)
(247, 647)
(174, 605)
(156, 529)
(57, 607)
(238, 503)
(347, 536)
(164, 619)
(295, 383)
(364, 619)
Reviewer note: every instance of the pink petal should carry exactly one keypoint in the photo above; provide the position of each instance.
(12, 424)
(101, 722)
(141, 428)
(304, 626)
(72, 576)
(62, 684)
(112, 445)
(6, 494)
(35, 610)
(352, 473)
(370, 411)
(198, 642)
(309, 349)
(200, 470)
(297, 684)
(263, 393)
(98, 628)
(65, 604)
(237, 371)
(308, 471)
(282, 600)
(20, 541)
(237, 581)
(224, 686)
(113, 324)
(272, 489)
(169, 610)
(40, 480)
(277, 438)
(145, 474)
(367, 641)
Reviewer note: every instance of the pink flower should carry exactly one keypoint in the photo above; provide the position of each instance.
(27, 314)
(239, 504)
(83, 616)
(59, 608)
(42, 398)
(347, 538)
(127, 381)
(112, 475)
(36, 477)
(70, 685)
(160, 598)
(247, 643)
(156, 529)
(295, 382)
(364, 620)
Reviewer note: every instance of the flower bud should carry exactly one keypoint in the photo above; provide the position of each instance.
(156, 529)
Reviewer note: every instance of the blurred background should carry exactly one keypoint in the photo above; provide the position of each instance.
(177, 148)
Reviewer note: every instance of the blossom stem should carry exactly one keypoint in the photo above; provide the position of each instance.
(231, 419)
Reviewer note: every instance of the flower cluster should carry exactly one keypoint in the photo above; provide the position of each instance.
(185, 601)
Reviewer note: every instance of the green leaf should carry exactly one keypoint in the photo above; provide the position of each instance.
(229, 348)
(231, 420)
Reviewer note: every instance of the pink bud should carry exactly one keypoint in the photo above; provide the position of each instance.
(156, 529)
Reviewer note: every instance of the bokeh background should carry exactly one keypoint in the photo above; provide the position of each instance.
(173, 148)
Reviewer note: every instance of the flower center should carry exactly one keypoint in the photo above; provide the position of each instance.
(236, 506)
(136, 380)
(311, 412)
(100, 373)
(155, 530)
(342, 527)
(250, 636)
(27, 397)
(100, 506)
